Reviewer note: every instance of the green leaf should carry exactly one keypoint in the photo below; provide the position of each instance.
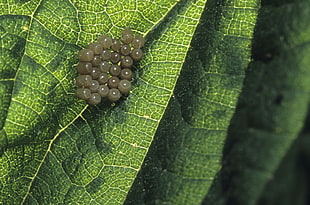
(272, 108)
(186, 153)
(290, 180)
(58, 150)
(55, 148)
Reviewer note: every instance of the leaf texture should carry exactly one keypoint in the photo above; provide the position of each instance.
(187, 150)
(272, 108)
(56, 149)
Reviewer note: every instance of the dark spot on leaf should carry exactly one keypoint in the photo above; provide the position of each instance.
(278, 100)
(95, 185)
(219, 114)
(71, 194)
(102, 146)
(83, 143)
(3, 141)
(72, 164)
(18, 48)
(268, 55)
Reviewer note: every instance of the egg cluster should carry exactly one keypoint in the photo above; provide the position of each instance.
(105, 67)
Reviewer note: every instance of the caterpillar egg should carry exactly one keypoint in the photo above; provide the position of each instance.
(136, 54)
(104, 66)
(96, 60)
(116, 45)
(96, 47)
(125, 50)
(103, 90)
(83, 93)
(126, 74)
(114, 95)
(106, 54)
(86, 55)
(127, 62)
(105, 41)
(138, 42)
(124, 86)
(127, 36)
(115, 70)
(94, 86)
(103, 78)
(113, 82)
(115, 57)
(83, 80)
(95, 73)
(94, 99)
(84, 68)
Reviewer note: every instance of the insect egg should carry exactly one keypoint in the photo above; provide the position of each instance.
(115, 57)
(113, 82)
(96, 47)
(126, 74)
(95, 73)
(94, 99)
(105, 41)
(114, 95)
(127, 36)
(116, 45)
(125, 50)
(94, 86)
(86, 55)
(104, 66)
(103, 90)
(96, 60)
(83, 93)
(138, 41)
(103, 78)
(106, 54)
(126, 62)
(115, 70)
(84, 80)
(84, 67)
(124, 86)
(136, 54)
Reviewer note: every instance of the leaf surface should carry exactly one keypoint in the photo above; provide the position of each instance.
(56, 149)
(272, 108)
(187, 150)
